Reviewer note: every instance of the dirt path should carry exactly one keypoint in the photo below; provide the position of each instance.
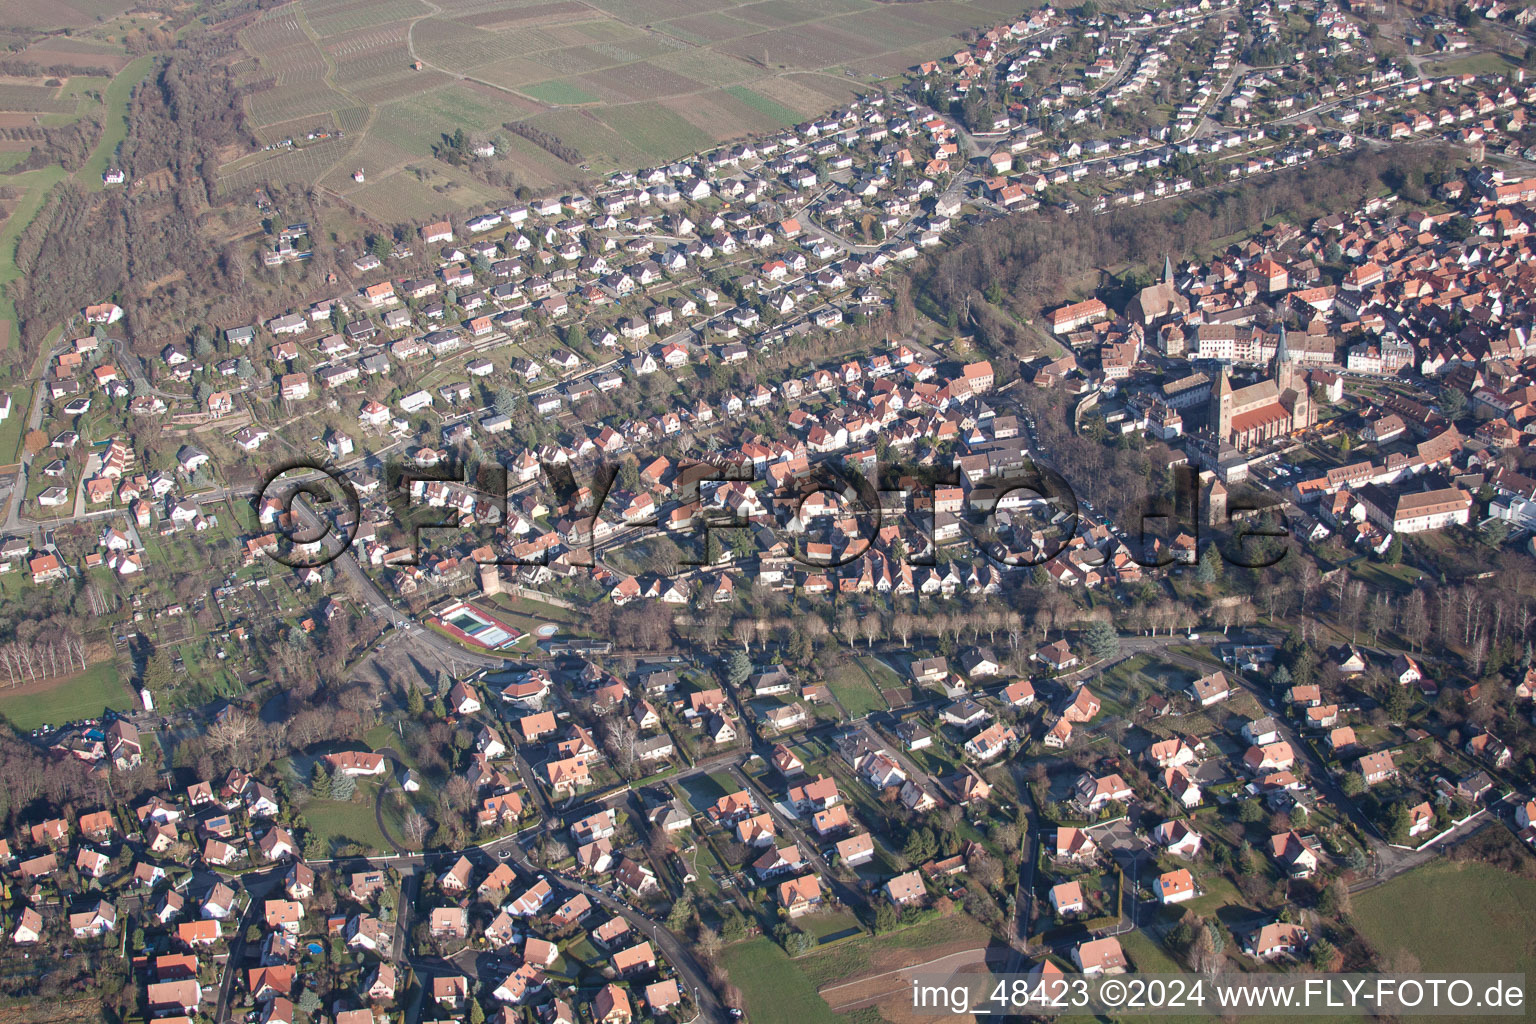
(872, 988)
(330, 79)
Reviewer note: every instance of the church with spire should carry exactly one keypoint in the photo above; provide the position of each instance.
(1277, 405)
(1159, 301)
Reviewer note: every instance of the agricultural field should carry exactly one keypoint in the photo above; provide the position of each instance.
(75, 51)
(623, 83)
(776, 991)
(558, 93)
(63, 13)
(769, 108)
(1445, 914)
(34, 99)
(873, 955)
(1478, 64)
(803, 990)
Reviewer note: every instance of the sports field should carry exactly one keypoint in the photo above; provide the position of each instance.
(619, 83)
(84, 695)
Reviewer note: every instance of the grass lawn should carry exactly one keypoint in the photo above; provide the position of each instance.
(527, 616)
(1478, 64)
(1122, 672)
(34, 186)
(350, 822)
(775, 990)
(884, 676)
(1198, 653)
(383, 735)
(395, 813)
(1219, 892)
(541, 610)
(14, 425)
(830, 926)
(1389, 577)
(1147, 956)
(1112, 686)
(1453, 917)
(115, 117)
(701, 791)
(81, 696)
(854, 688)
(583, 952)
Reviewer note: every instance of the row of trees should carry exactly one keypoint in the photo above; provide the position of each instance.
(550, 143)
(43, 649)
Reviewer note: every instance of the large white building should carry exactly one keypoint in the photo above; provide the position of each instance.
(1416, 512)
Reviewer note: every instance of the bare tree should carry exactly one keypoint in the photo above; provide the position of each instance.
(1479, 651)
(458, 793)
(847, 625)
(657, 844)
(1204, 956)
(1445, 617)
(985, 869)
(232, 736)
(815, 627)
(708, 942)
(1354, 598)
(620, 737)
(1307, 580)
(1416, 619)
(871, 626)
(1471, 610)
(1378, 616)
(415, 827)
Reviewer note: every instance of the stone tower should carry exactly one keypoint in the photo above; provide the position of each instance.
(490, 579)
(1213, 496)
(1221, 406)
